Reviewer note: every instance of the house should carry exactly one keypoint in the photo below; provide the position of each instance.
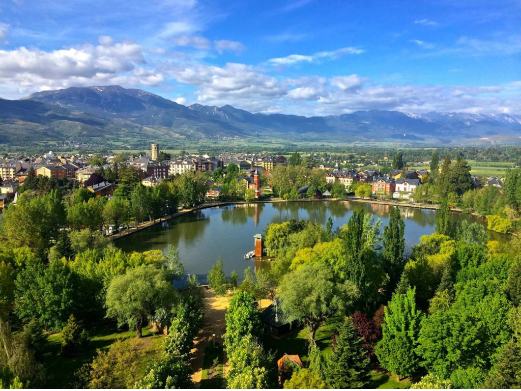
(405, 187)
(252, 182)
(52, 172)
(103, 189)
(495, 182)
(326, 194)
(383, 186)
(84, 174)
(214, 192)
(274, 320)
(288, 364)
(151, 181)
(303, 192)
(4, 199)
(178, 167)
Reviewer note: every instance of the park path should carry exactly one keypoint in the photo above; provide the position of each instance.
(214, 323)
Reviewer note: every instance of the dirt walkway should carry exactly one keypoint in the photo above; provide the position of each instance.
(214, 323)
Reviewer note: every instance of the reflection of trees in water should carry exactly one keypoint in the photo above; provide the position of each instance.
(422, 217)
(239, 214)
(234, 215)
(285, 211)
(339, 209)
(317, 211)
(188, 228)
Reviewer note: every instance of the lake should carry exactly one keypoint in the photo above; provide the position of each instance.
(227, 232)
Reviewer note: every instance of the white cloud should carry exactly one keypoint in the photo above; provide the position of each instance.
(296, 58)
(180, 100)
(109, 62)
(224, 45)
(195, 41)
(422, 44)
(351, 82)
(181, 27)
(4, 30)
(426, 22)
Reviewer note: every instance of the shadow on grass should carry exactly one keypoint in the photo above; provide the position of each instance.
(60, 370)
(212, 376)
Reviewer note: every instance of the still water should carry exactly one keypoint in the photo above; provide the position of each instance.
(227, 232)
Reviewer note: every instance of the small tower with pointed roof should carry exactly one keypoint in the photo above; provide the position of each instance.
(256, 183)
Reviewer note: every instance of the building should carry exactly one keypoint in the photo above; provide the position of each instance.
(103, 189)
(151, 181)
(214, 192)
(405, 187)
(253, 182)
(383, 186)
(155, 152)
(52, 172)
(84, 174)
(7, 170)
(179, 167)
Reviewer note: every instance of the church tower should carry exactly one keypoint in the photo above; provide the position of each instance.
(155, 151)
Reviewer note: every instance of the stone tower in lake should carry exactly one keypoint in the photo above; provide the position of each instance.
(155, 151)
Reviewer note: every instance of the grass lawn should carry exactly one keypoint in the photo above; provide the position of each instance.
(297, 341)
(212, 376)
(60, 370)
(386, 381)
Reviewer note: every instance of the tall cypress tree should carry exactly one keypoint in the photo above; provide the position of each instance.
(394, 246)
(348, 366)
(435, 164)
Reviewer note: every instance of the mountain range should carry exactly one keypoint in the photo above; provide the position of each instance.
(113, 113)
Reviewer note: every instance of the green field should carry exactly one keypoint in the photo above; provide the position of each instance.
(485, 169)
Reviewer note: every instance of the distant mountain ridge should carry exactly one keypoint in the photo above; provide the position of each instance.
(114, 111)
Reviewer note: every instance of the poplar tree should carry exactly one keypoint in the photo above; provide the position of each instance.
(394, 246)
(396, 350)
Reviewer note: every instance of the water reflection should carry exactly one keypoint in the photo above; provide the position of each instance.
(227, 232)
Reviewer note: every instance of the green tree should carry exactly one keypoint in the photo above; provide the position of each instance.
(512, 188)
(116, 211)
(136, 296)
(295, 159)
(141, 207)
(75, 339)
(232, 171)
(116, 368)
(242, 319)
(305, 379)
(506, 372)
(400, 335)
(394, 247)
(433, 382)
(398, 162)
(513, 285)
(7, 287)
(348, 366)
(338, 190)
(443, 226)
(250, 367)
(364, 190)
(249, 195)
(35, 221)
(311, 295)
(435, 164)
(50, 294)
(217, 278)
(85, 239)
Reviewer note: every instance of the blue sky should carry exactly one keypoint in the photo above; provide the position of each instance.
(307, 57)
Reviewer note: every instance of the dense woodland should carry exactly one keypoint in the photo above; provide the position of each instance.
(447, 314)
